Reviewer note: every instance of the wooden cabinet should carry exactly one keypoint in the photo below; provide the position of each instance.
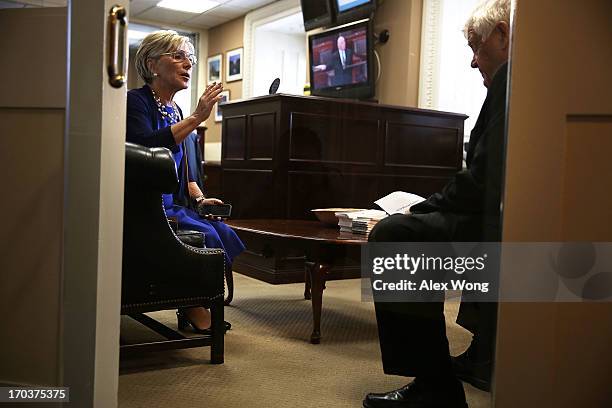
(284, 155)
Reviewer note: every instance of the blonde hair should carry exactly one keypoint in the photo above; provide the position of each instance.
(155, 44)
(485, 17)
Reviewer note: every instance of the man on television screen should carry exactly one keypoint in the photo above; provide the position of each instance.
(341, 63)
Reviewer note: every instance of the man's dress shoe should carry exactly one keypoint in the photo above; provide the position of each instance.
(419, 394)
(472, 371)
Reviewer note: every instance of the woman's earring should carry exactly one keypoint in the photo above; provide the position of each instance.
(155, 74)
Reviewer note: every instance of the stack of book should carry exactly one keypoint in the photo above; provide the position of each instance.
(359, 222)
(362, 221)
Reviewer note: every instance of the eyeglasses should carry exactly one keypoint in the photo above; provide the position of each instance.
(180, 56)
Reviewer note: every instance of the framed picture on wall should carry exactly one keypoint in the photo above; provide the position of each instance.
(225, 96)
(234, 65)
(215, 64)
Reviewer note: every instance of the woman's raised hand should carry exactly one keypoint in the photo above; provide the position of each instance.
(207, 101)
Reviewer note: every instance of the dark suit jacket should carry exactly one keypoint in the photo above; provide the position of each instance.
(476, 190)
(341, 76)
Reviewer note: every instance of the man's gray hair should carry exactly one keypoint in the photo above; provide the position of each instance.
(155, 44)
(486, 15)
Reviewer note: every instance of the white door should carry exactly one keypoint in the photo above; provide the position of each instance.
(62, 129)
(94, 210)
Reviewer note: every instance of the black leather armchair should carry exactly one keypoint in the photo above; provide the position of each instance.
(160, 271)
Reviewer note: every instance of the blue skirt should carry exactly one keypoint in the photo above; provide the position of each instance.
(216, 233)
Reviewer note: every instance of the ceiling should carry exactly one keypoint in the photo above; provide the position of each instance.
(31, 3)
(146, 10)
(292, 25)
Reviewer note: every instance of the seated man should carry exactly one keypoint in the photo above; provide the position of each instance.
(413, 335)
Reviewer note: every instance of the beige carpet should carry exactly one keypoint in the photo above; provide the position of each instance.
(268, 359)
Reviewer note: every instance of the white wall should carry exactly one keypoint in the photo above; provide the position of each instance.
(279, 56)
(460, 86)
(448, 82)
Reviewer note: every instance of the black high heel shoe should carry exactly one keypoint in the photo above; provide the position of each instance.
(183, 322)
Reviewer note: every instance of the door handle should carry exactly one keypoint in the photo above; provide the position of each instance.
(117, 51)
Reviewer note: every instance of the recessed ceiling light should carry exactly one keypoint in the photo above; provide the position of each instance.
(190, 6)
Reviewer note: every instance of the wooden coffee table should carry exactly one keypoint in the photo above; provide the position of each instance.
(322, 246)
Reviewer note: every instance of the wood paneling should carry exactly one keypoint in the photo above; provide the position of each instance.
(236, 138)
(327, 138)
(308, 190)
(243, 189)
(262, 130)
(39, 60)
(588, 147)
(31, 236)
(212, 180)
(422, 146)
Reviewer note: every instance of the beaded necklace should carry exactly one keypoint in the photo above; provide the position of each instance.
(172, 117)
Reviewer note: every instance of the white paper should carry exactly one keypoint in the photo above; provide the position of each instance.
(398, 202)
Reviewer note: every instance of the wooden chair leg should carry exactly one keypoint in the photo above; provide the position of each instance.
(229, 280)
(218, 332)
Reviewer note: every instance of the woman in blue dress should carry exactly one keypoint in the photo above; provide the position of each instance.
(164, 61)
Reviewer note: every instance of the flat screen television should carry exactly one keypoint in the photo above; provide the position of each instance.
(352, 10)
(317, 13)
(341, 62)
